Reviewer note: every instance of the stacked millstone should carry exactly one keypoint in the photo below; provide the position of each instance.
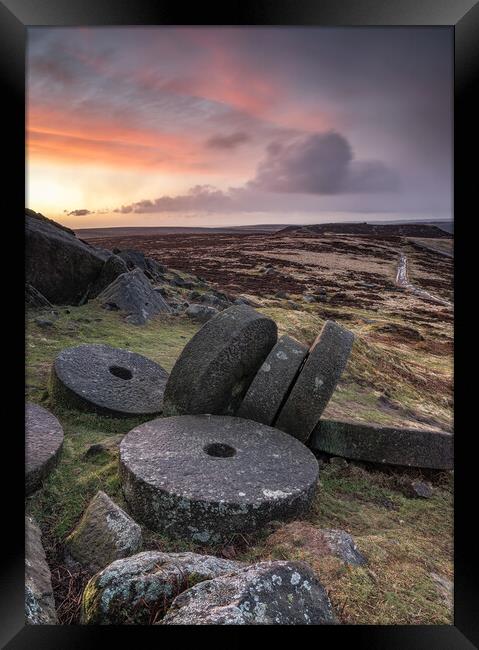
(201, 473)
(294, 384)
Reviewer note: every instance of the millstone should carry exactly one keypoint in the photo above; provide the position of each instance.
(218, 364)
(206, 477)
(389, 445)
(273, 381)
(316, 382)
(108, 380)
(43, 442)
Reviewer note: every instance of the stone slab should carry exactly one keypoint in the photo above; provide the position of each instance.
(387, 445)
(273, 381)
(43, 443)
(108, 380)
(208, 477)
(218, 364)
(316, 382)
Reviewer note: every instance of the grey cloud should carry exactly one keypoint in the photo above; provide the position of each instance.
(227, 141)
(200, 197)
(80, 213)
(320, 164)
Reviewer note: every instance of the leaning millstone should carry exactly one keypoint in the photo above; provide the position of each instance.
(39, 602)
(273, 381)
(316, 382)
(207, 477)
(132, 293)
(108, 380)
(218, 364)
(389, 445)
(138, 589)
(105, 533)
(269, 593)
(43, 442)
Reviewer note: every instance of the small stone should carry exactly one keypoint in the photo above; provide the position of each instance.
(282, 295)
(94, 450)
(271, 593)
(201, 313)
(39, 601)
(337, 461)
(136, 589)
(309, 299)
(44, 323)
(316, 543)
(421, 489)
(105, 533)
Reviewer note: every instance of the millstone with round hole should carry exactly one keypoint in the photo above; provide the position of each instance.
(43, 442)
(389, 445)
(208, 477)
(273, 381)
(316, 382)
(108, 380)
(217, 365)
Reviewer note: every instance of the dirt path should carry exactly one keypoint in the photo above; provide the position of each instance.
(403, 281)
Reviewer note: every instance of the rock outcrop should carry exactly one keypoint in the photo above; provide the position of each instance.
(58, 264)
(133, 294)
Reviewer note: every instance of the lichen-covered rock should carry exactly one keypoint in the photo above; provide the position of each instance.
(105, 533)
(39, 601)
(201, 313)
(268, 593)
(43, 443)
(316, 543)
(316, 382)
(133, 294)
(218, 364)
(208, 477)
(140, 588)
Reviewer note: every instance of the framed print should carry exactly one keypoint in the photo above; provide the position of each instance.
(244, 262)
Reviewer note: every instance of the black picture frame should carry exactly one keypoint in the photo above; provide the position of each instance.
(15, 17)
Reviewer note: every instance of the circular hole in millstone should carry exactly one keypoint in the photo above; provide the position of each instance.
(219, 450)
(122, 373)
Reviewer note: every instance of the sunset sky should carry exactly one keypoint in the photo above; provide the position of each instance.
(227, 126)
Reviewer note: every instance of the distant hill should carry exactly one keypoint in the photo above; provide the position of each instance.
(371, 229)
(131, 231)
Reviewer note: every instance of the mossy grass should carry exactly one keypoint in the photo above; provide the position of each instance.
(405, 540)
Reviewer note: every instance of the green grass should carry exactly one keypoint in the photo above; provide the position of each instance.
(404, 539)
